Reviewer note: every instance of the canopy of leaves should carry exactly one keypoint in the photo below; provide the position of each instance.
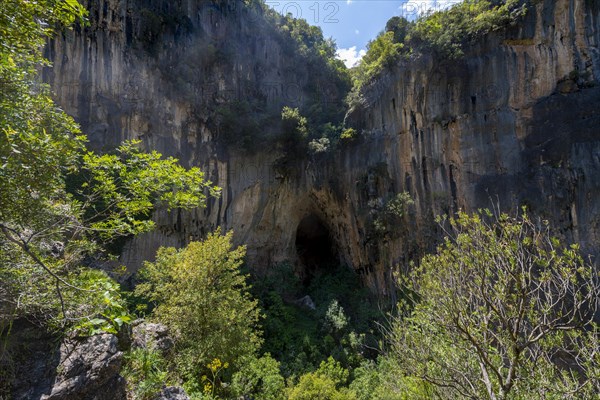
(260, 378)
(503, 310)
(60, 204)
(200, 293)
(326, 383)
(119, 191)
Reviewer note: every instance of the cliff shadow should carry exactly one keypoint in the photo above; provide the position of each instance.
(315, 249)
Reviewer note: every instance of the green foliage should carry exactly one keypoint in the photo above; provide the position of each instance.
(293, 139)
(349, 134)
(335, 318)
(382, 52)
(342, 326)
(259, 378)
(503, 310)
(294, 124)
(313, 386)
(330, 80)
(99, 298)
(318, 99)
(317, 146)
(201, 295)
(390, 220)
(444, 33)
(447, 32)
(122, 189)
(50, 230)
(37, 139)
(326, 383)
(146, 373)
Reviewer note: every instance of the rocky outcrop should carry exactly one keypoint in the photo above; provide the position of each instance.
(514, 122)
(151, 336)
(89, 370)
(38, 365)
(172, 393)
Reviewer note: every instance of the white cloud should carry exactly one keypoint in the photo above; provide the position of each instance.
(348, 1)
(350, 56)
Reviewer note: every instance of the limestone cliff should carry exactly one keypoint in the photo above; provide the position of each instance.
(517, 121)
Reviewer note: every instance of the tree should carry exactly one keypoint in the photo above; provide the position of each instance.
(503, 310)
(400, 26)
(60, 205)
(200, 293)
(259, 378)
(326, 383)
(293, 139)
(382, 52)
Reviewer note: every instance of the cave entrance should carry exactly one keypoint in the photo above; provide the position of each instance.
(315, 248)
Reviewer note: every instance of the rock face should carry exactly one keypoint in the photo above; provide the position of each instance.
(38, 366)
(152, 336)
(514, 122)
(89, 370)
(172, 393)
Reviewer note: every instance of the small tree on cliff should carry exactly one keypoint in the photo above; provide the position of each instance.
(501, 311)
(294, 132)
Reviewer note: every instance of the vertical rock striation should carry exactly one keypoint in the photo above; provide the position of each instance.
(517, 121)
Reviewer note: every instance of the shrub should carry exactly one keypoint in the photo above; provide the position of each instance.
(502, 310)
(146, 373)
(326, 383)
(201, 295)
(259, 378)
(349, 134)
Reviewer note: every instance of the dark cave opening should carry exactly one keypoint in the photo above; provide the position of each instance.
(315, 248)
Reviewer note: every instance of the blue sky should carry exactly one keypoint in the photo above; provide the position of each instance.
(352, 23)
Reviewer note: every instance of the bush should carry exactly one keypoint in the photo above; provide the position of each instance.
(349, 134)
(390, 221)
(146, 373)
(327, 383)
(502, 310)
(201, 295)
(259, 378)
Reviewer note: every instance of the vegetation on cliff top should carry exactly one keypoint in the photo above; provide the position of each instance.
(446, 34)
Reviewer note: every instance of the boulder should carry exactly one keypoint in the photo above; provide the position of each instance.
(306, 302)
(172, 393)
(151, 336)
(88, 370)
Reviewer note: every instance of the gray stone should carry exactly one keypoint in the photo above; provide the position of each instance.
(306, 302)
(89, 370)
(151, 336)
(172, 393)
(505, 123)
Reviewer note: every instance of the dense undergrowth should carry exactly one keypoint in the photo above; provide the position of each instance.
(501, 309)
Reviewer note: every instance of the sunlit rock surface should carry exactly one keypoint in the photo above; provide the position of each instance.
(517, 122)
